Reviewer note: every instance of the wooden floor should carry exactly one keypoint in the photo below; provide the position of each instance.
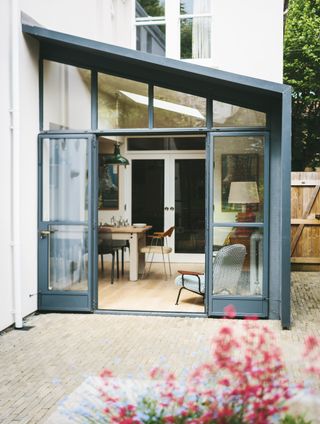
(153, 293)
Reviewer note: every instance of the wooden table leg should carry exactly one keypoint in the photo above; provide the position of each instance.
(134, 257)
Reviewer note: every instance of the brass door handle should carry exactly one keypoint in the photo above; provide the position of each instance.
(46, 233)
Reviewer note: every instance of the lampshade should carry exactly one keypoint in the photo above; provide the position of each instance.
(243, 192)
(116, 158)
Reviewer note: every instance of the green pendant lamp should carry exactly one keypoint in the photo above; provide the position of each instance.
(116, 158)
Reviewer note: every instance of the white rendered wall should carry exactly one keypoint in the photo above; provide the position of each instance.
(6, 291)
(109, 21)
(247, 37)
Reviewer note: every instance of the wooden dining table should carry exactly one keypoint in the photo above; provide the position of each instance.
(137, 240)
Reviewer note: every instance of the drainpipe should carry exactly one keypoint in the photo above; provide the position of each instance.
(15, 162)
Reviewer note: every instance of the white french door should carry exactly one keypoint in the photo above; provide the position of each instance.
(168, 189)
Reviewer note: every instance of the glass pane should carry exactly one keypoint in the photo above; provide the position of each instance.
(150, 8)
(226, 115)
(66, 97)
(193, 7)
(195, 38)
(148, 193)
(122, 103)
(173, 109)
(237, 261)
(68, 258)
(151, 39)
(189, 205)
(166, 143)
(238, 179)
(65, 180)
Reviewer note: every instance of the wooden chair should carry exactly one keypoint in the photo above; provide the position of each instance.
(158, 245)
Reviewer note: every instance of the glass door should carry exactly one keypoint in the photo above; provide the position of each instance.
(65, 222)
(170, 191)
(237, 207)
(186, 211)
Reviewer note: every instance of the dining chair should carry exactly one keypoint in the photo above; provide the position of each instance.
(158, 245)
(105, 247)
(227, 268)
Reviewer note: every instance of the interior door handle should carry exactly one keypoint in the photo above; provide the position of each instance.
(172, 208)
(166, 208)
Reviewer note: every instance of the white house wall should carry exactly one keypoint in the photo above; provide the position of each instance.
(6, 291)
(247, 39)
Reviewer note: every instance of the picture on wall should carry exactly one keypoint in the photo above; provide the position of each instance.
(237, 167)
(108, 184)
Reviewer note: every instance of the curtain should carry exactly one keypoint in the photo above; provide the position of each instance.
(201, 30)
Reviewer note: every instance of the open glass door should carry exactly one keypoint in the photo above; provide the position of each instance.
(65, 222)
(237, 242)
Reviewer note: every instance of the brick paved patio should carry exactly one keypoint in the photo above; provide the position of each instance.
(40, 366)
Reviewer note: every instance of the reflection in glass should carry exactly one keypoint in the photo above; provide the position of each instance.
(239, 179)
(148, 192)
(150, 8)
(189, 7)
(66, 97)
(195, 38)
(227, 115)
(173, 109)
(65, 180)
(166, 143)
(189, 205)
(122, 103)
(68, 258)
(151, 39)
(238, 261)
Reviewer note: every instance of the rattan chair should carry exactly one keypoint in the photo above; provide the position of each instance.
(227, 268)
(158, 245)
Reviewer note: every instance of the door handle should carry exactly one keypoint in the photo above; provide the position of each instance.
(46, 233)
(172, 208)
(166, 208)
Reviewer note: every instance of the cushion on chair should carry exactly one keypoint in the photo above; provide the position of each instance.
(191, 282)
(156, 249)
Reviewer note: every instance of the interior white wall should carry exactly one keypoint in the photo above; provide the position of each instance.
(247, 37)
(6, 292)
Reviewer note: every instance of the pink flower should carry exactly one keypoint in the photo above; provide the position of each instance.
(229, 311)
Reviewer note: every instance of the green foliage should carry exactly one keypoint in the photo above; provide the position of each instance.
(289, 419)
(152, 7)
(302, 71)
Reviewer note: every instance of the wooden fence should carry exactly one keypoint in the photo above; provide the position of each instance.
(305, 221)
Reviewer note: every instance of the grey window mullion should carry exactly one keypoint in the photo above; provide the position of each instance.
(151, 106)
(94, 100)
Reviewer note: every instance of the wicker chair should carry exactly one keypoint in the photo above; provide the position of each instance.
(227, 268)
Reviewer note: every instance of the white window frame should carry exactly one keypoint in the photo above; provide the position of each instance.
(172, 21)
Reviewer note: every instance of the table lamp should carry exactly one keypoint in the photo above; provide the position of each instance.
(244, 193)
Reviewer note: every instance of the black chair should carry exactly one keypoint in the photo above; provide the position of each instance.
(120, 245)
(105, 247)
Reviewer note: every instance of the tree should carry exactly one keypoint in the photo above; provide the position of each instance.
(302, 71)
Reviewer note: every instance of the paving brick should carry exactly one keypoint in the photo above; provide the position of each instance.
(40, 367)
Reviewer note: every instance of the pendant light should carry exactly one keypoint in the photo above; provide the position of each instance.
(116, 158)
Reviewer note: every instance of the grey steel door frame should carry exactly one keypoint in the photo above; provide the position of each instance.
(84, 301)
(245, 305)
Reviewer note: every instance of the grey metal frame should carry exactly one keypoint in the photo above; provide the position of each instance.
(272, 98)
(64, 300)
(245, 305)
